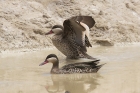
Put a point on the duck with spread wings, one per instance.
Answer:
(73, 37)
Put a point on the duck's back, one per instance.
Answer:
(84, 67)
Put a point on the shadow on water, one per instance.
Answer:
(73, 83)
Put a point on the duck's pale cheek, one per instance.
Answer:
(50, 32)
(52, 59)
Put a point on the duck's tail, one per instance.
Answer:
(99, 66)
(90, 57)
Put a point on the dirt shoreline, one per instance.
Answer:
(53, 47)
(23, 23)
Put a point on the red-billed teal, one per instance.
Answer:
(73, 37)
(82, 67)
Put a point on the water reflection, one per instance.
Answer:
(73, 83)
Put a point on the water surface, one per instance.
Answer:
(20, 73)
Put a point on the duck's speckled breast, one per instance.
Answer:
(64, 46)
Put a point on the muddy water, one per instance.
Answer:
(20, 73)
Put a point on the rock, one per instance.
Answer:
(105, 42)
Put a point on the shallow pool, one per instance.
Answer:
(21, 73)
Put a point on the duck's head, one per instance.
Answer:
(56, 29)
(51, 58)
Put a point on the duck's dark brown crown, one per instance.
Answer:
(57, 26)
(51, 55)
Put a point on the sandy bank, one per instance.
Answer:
(23, 23)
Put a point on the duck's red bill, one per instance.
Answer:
(50, 32)
(43, 63)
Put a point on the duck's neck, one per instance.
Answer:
(55, 68)
(60, 32)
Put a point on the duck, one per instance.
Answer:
(72, 39)
(82, 67)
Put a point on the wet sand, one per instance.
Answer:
(20, 73)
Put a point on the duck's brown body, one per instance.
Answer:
(82, 67)
(65, 47)
(72, 39)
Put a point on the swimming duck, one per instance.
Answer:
(82, 67)
(73, 37)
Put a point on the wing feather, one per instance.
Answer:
(75, 32)
(82, 67)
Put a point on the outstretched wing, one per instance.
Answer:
(88, 20)
(75, 31)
